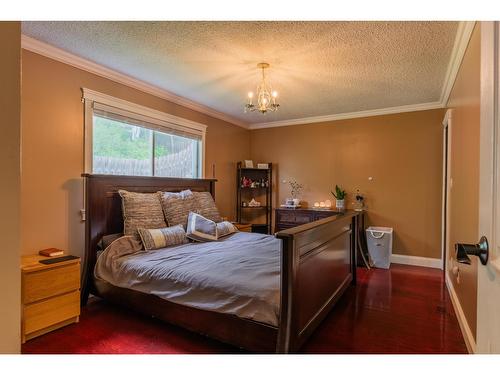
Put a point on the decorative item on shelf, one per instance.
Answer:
(246, 182)
(248, 163)
(323, 205)
(291, 203)
(253, 203)
(243, 204)
(295, 189)
(266, 96)
(339, 195)
(262, 165)
(359, 205)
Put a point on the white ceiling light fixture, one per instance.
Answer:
(266, 97)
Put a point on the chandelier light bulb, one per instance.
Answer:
(275, 94)
(250, 95)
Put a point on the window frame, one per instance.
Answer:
(163, 122)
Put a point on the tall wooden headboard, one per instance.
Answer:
(103, 209)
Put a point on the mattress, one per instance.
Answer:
(238, 275)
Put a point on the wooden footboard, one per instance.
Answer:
(317, 266)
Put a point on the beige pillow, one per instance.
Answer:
(205, 206)
(176, 206)
(153, 239)
(141, 210)
(225, 228)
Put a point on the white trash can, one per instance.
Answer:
(379, 241)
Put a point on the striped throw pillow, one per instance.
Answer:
(160, 238)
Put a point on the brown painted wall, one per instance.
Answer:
(10, 143)
(52, 142)
(464, 170)
(402, 152)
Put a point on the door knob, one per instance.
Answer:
(480, 250)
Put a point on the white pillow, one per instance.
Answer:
(200, 228)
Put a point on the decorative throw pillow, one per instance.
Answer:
(200, 228)
(141, 210)
(225, 228)
(153, 239)
(205, 206)
(176, 206)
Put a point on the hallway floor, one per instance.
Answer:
(405, 309)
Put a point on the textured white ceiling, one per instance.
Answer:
(318, 68)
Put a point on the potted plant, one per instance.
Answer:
(339, 195)
(295, 189)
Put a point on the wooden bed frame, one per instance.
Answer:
(317, 265)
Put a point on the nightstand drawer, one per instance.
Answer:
(50, 282)
(43, 314)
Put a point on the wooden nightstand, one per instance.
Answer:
(243, 227)
(50, 295)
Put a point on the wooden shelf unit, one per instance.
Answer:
(50, 295)
(246, 214)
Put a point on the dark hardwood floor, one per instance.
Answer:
(402, 310)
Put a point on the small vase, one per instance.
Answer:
(340, 204)
(296, 201)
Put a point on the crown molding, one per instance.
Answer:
(462, 38)
(464, 33)
(68, 58)
(349, 115)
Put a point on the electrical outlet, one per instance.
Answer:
(82, 214)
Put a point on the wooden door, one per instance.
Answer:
(488, 295)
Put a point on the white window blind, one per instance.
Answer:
(123, 138)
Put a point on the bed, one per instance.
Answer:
(258, 292)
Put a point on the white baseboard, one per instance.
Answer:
(470, 342)
(417, 261)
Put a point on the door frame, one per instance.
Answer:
(445, 210)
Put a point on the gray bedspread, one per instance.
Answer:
(238, 275)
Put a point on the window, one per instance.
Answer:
(127, 139)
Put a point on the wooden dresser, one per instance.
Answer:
(292, 217)
(50, 295)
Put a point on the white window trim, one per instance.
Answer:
(162, 119)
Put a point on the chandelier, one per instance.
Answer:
(266, 97)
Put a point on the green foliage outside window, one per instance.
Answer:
(120, 140)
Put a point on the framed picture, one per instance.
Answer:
(263, 165)
(248, 164)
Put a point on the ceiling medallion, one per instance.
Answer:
(266, 97)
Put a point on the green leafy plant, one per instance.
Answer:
(339, 193)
